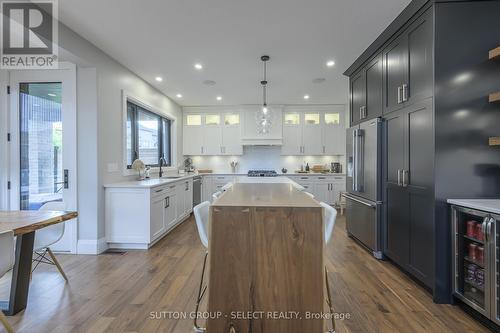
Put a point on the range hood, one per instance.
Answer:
(250, 135)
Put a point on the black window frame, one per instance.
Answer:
(133, 110)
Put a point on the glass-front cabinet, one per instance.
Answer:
(475, 260)
(212, 133)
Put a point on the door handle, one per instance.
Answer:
(167, 202)
(66, 178)
(202, 149)
(360, 112)
(324, 149)
(405, 92)
(483, 227)
(399, 177)
(404, 177)
(354, 159)
(400, 93)
(347, 196)
(488, 228)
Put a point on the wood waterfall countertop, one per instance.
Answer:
(265, 195)
(266, 270)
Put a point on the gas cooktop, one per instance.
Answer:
(262, 173)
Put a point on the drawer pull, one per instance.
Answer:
(158, 191)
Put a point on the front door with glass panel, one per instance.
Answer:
(43, 143)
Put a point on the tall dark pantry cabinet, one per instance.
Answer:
(428, 77)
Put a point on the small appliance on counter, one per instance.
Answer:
(188, 165)
(262, 173)
(336, 167)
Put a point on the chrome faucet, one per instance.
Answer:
(162, 162)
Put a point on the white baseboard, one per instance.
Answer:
(92, 246)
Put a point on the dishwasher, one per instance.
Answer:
(196, 190)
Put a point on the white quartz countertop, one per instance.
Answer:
(487, 205)
(241, 178)
(149, 183)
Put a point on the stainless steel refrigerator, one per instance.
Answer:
(364, 182)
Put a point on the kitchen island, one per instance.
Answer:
(266, 260)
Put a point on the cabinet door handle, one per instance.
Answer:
(365, 114)
(202, 149)
(483, 227)
(400, 93)
(324, 149)
(404, 178)
(360, 112)
(167, 202)
(399, 177)
(405, 92)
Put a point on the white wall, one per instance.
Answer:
(262, 157)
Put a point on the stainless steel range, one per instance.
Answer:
(262, 173)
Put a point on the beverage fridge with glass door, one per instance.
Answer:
(475, 260)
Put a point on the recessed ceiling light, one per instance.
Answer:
(159, 78)
(319, 80)
(179, 95)
(209, 82)
(330, 63)
(219, 98)
(51, 95)
(198, 66)
(306, 96)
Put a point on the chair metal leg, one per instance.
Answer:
(57, 264)
(201, 292)
(5, 323)
(329, 301)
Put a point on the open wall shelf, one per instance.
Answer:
(494, 141)
(495, 53)
(495, 97)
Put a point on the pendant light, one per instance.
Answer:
(264, 115)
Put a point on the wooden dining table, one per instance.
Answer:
(24, 224)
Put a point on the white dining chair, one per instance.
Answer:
(309, 194)
(6, 264)
(227, 186)
(329, 218)
(216, 195)
(46, 237)
(201, 216)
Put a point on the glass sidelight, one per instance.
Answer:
(41, 144)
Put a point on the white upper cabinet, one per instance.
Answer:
(231, 134)
(192, 134)
(292, 133)
(314, 130)
(311, 134)
(334, 131)
(212, 135)
(211, 132)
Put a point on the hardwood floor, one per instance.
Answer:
(117, 292)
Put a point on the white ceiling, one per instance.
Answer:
(165, 38)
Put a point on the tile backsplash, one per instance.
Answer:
(262, 157)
